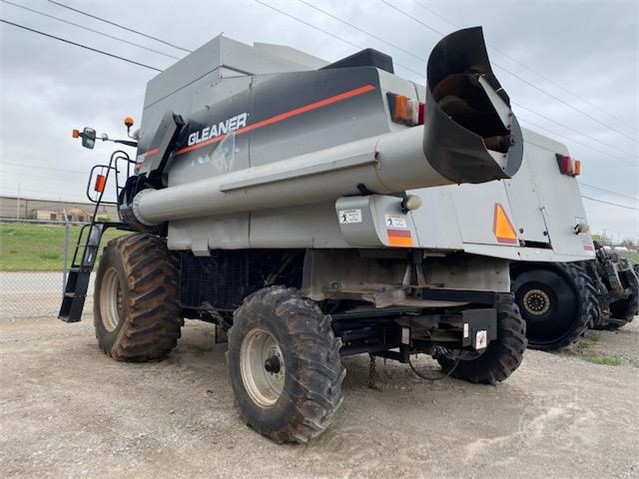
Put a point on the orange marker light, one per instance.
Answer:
(577, 171)
(100, 183)
(401, 109)
(128, 121)
(76, 133)
(502, 227)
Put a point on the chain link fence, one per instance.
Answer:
(34, 259)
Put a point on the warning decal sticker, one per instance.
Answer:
(350, 216)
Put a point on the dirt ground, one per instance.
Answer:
(69, 411)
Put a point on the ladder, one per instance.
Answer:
(88, 245)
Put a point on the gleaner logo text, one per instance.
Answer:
(222, 128)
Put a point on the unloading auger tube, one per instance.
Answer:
(466, 110)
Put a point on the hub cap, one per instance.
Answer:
(111, 300)
(262, 367)
(536, 302)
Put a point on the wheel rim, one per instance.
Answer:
(536, 302)
(550, 306)
(262, 367)
(111, 300)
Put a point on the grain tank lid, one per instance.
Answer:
(223, 54)
(293, 56)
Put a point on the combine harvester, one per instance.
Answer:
(302, 207)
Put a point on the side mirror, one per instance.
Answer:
(88, 138)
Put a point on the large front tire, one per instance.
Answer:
(284, 365)
(502, 356)
(136, 313)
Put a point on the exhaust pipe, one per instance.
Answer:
(470, 136)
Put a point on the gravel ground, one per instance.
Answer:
(69, 411)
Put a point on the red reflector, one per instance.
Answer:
(422, 114)
(100, 182)
(565, 165)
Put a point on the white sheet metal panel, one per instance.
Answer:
(475, 208)
(524, 200)
(436, 220)
(560, 197)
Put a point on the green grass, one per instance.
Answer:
(586, 344)
(631, 256)
(35, 247)
(604, 360)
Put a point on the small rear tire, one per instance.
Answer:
(284, 365)
(502, 356)
(135, 311)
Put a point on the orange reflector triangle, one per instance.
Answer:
(502, 227)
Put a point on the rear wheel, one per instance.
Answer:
(284, 365)
(502, 356)
(135, 311)
(558, 302)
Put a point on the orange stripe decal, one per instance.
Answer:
(283, 116)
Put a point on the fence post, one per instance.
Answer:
(66, 252)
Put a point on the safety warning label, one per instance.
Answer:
(350, 216)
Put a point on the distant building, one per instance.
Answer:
(47, 210)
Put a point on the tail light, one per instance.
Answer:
(405, 110)
(568, 166)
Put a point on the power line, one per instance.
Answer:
(90, 30)
(77, 172)
(121, 26)
(633, 198)
(609, 203)
(549, 80)
(607, 145)
(327, 33)
(424, 59)
(80, 45)
(517, 76)
(608, 154)
(362, 30)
